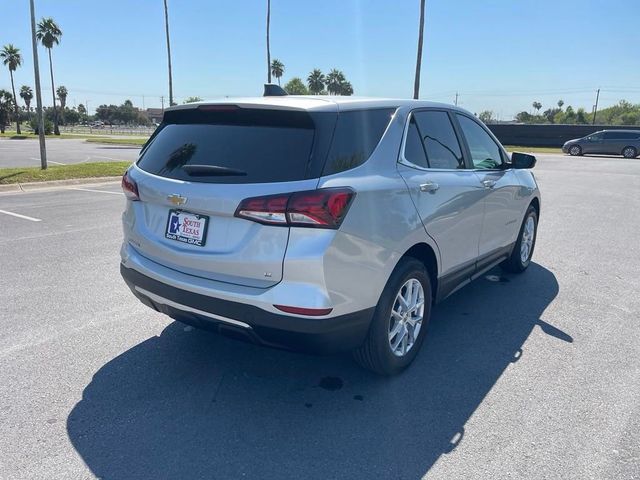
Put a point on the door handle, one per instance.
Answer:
(429, 187)
(489, 183)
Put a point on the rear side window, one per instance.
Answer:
(262, 145)
(621, 135)
(355, 138)
(439, 139)
(413, 148)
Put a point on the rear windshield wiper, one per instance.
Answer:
(212, 170)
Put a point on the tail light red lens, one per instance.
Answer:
(130, 188)
(311, 312)
(322, 208)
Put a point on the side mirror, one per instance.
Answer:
(522, 160)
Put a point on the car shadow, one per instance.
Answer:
(191, 404)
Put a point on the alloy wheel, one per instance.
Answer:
(406, 317)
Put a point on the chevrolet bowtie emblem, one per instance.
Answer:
(177, 199)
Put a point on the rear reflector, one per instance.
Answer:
(311, 312)
(130, 188)
(322, 208)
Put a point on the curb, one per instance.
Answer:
(31, 186)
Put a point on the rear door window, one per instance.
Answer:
(439, 139)
(258, 145)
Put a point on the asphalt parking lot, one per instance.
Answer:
(26, 153)
(521, 376)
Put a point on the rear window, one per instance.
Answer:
(265, 145)
(357, 134)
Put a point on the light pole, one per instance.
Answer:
(166, 26)
(416, 82)
(36, 71)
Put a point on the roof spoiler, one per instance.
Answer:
(273, 90)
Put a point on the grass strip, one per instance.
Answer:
(62, 172)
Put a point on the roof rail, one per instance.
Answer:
(273, 90)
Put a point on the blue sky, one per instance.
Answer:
(500, 55)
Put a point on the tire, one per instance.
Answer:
(376, 353)
(575, 150)
(518, 261)
(629, 152)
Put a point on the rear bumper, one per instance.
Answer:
(248, 322)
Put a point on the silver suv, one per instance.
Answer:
(323, 224)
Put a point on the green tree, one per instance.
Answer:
(346, 88)
(82, 110)
(277, 69)
(537, 106)
(315, 81)
(62, 96)
(6, 105)
(296, 86)
(524, 117)
(335, 78)
(486, 116)
(192, 99)
(581, 117)
(11, 57)
(27, 95)
(560, 104)
(49, 33)
(550, 114)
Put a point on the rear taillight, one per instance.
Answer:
(322, 208)
(129, 187)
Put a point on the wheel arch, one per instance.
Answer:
(535, 203)
(427, 256)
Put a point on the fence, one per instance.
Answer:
(545, 135)
(108, 130)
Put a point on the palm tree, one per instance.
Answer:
(316, 80)
(277, 69)
(268, 50)
(416, 82)
(49, 34)
(537, 106)
(27, 95)
(166, 27)
(334, 80)
(6, 102)
(346, 88)
(11, 57)
(62, 96)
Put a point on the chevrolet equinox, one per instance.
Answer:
(320, 223)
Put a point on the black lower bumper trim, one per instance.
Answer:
(316, 335)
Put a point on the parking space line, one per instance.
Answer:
(96, 191)
(48, 161)
(24, 217)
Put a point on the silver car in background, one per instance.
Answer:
(322, 224)
(606, 142)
